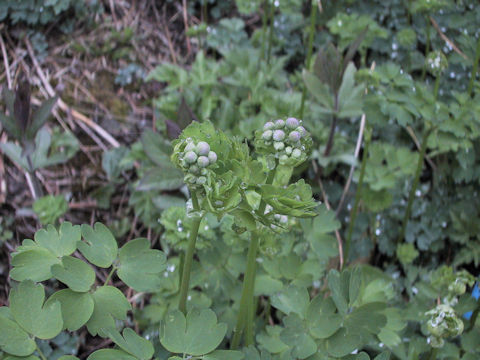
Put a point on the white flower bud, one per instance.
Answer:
(279, 124)
(203, 161)
(283, 219)
(267, 135)
(288, 150)
(278, 135)
(212, 157)
(302, 131)
(201, 180)
(190, 157)
(296, 153)
(269, 125)
(283, 158)
(190, 147)
(203, 148)
(194, 169)
(292, 123)
(278, 145)
(294, 136)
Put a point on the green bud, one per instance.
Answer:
(278, 145)
(267, 135)
(278, 135)
(190, 147)
(194, 169)
(279, 124)
(201, 180)
(269, 125)
(288, 150)
(212, 157)
(296, 153)
(190, 157)
(294, 136)
(203, 148)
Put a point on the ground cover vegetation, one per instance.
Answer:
(241, 179)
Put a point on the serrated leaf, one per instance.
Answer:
(110, 354)
(30, 312)
(62, 242)
(74, 273)
(13, 339)
(292, 299)
(77, 308)
(110, 304)
(99, 247)
(197, 334)
(140, 266)
(131, 343)
(32, 263)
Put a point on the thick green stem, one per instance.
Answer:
(473, 75)
(187, 265)
(358, 193)
(416, 180)
(427, 46)
(246, 310)
(313, 19)
(436, 87)
(264, 31)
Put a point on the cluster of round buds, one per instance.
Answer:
(285, 136)
(443, 323)
(436, 62)
(195, 160)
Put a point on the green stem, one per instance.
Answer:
(427, 47)
(270, 33)
(264, 31)
(110, 274)
(40, 353)
(473, 319)
(358, 193)
(416, 180)
(250, 285)
(473, 75)
(187, 265)
(436, 87)
(433, 354)
(313, 19)
(246, 312)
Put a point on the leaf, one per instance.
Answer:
(296, 336)
(140, 266)
(342, 343)
(110, 354)
(40, 116)
(110, 304)
(31, 357)
(8, 122)
(62, 242)
(322, 319)
(319, 90)
(163, 179)
(68, 357)
(224, 355)
(352, 49)
(185, 115)
(292, 299)
(157, 149)
(13, 339)
(77, 308)
(29, 311)
(21, 105)
(50, 207)
(266, 285)
(131, 343)
(32, 263)
(197, 334)
(271, 341)
(99, 247)
(74, 273)
(339, 290)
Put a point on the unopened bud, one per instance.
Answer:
(278, 145)
(294, 136)
(267, 135)
(278, 135)
(269, 125)
(288, 150)
(190, 157)
(296, 153)
(292, 123)
(212, 157)
(203, 148)
(203, 161)
(279, 124)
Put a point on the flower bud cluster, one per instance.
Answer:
(443, 323)
(195, 160)
(286, 138)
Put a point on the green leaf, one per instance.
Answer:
(271, 341)
(197, 334)
(224, 355)
(50, 208)
(77, 308)
(292, 299)
(339, 288)
(32, 262)
(163, 179)
(110, 354)
(40, 116)
(13, 339)
(74, 273)
(140, 266)
(342, 343)
(99, 247)
(131, 343)
(62, 242)
(27, 305)
(266, 285)
(9, 123)
(296, 336)
(322, 319)
(31, 357)
(110, 304)
(319, 90)
(68, 357)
